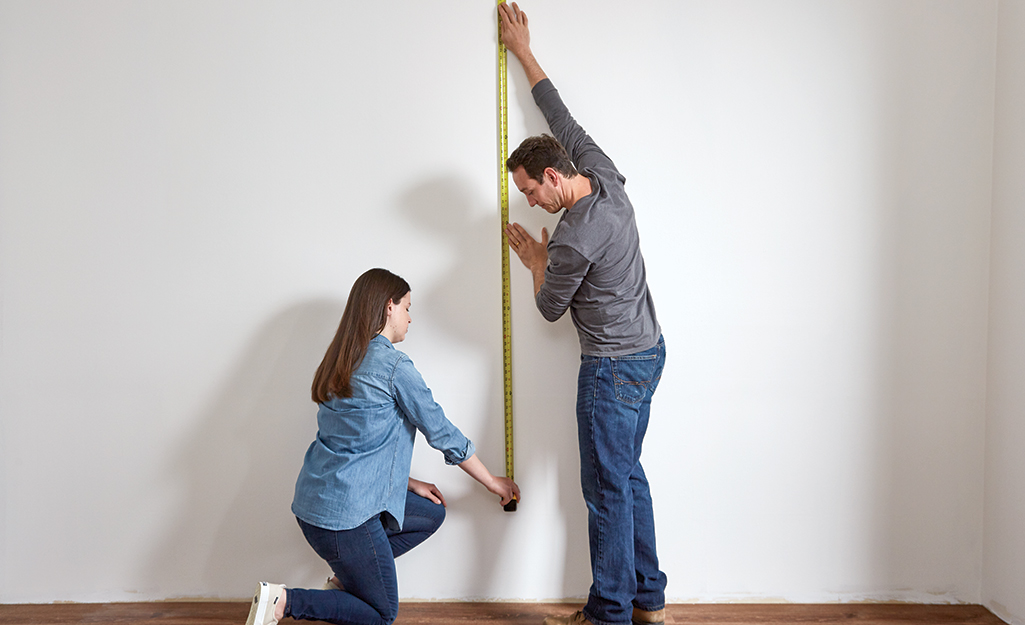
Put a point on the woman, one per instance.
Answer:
(354, 499)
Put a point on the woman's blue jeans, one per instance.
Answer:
(613, 402)
(363, 560)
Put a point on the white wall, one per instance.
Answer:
(1004, 563)
(188, 189)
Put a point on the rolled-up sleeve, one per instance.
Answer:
(566, 270)
(417, 403)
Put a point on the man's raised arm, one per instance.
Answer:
(516, 37)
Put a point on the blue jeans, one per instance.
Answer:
(613, 404)
(363, 560)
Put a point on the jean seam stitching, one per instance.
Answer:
(377, 559)
(590, 425)
(602, 488)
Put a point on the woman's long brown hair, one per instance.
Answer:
(365, 314)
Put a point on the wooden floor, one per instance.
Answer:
(509, 613)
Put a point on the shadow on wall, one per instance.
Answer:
(932, 272)
(234, 474)
(443, 210)
(232, 526)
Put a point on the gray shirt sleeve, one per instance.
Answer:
(565, 271)
(566, 268)
(583, 151)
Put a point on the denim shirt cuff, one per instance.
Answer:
(452, 458)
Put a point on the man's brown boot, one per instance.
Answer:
(643, 617)
(576, 619)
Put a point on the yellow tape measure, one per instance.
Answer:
(503, 177)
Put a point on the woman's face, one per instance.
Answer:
(398, 320)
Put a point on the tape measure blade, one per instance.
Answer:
(503, 151)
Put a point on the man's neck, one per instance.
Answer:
(579, 187)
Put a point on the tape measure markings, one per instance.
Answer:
(503, 176)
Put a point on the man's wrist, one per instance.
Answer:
(539, 280)
(522, 54)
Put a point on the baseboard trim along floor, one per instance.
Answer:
(439, 613)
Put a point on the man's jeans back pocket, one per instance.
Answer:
(633, 376)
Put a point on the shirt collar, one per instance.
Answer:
(381, 339)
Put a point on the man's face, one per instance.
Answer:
(543, 194)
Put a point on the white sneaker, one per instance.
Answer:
(264, 602)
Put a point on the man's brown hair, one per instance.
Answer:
(538, 153)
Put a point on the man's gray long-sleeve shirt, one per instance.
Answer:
(595, 267)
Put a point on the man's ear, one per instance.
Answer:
(551, 175)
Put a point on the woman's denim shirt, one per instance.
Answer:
(359, 463)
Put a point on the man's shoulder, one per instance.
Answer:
(581, 232)
(605, 172)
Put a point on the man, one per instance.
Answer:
(592, 266)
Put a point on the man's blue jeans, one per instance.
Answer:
(613, 403)
(363, 560)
